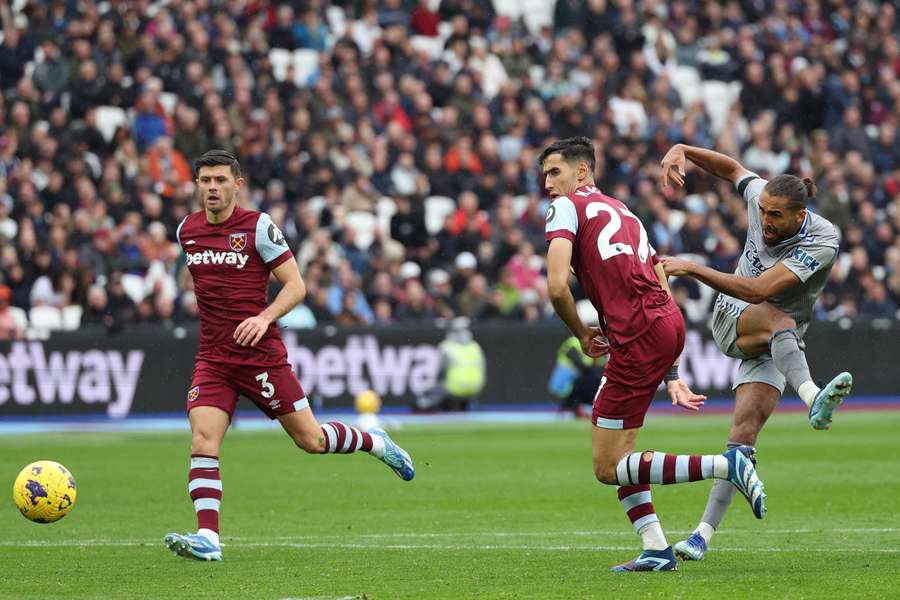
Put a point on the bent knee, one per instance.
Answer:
(311, 444)
(605, 472)
(204, 443)
(782, 322)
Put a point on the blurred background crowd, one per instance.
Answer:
(394, 143)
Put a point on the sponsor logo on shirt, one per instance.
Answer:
(757, 268)
(237, 241)
(214, 257)
(801, 256)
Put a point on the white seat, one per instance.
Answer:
(519, 204)
(363, 223)
(316, 204)
(436, 210)
(306, 63)
(433, 46)
(280, 59)
(384, 210)
(110, 118)
(45, 317)
(687, 81)
(717, 97)
(134, 287)
(19, 316)
(337, 20)
(71, 317)
(168, 101)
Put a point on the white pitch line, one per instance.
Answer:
(454, 547)
(506, 534)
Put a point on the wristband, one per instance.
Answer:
(672, 375)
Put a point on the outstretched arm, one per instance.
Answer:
(251, 330)
(722, 166)
(749, 289)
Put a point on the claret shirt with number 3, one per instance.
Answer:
(230, 263)
(613, 261)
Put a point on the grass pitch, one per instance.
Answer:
(495, 511)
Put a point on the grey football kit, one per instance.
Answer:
(810, 254)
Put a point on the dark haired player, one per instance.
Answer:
(606, 246)
(230, 252)
(764, 308)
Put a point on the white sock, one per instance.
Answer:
(807, 392)
(706, 531)
(377, 446)
(720, 466)
(653, 537)
(210, 535)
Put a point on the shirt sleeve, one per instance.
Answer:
(804, 261)
(750, 187)
(270, 242)
(562, 219)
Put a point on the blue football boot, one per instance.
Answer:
(742, 474)
(192, 545)
(395, 457)
(693, 548)
(827, 400)
(651, 560)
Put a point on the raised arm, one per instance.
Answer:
(724, 167)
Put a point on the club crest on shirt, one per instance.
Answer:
(237, 241)
(193, 393)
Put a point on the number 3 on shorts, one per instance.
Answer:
(268, 390)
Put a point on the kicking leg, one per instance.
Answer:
(754, 404)
(763, 328)
(208, 427)
(337, 437)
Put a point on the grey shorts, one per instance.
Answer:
(753, 369)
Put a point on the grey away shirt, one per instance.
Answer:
(810, 255)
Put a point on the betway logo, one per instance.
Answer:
(703, 366)
(91, 377)
(361, 364)
(212, 257)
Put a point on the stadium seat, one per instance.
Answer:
(19, 316)
(110, 118)
(436, 210)
(364, 224)
(48, 318)
(280, 59)
(316, 204)
(168, 101)
(687, 81)
(306, 64)
(433, 46)
(337, 21)
(384, 210)
(717, 97)
(519, 204)
(134, 287)
(71, 317)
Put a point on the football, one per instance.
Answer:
(44, 491)
(367, 402)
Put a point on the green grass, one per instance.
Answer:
(494, 512)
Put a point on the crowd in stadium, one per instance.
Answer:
(394, 144)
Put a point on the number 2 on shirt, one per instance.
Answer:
(607, 248)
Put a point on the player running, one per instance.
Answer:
(230, 252)
(606, 246)
(764, 308)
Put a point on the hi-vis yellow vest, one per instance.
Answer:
(465, 370)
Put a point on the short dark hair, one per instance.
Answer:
(573, 148)
(797, 191)
(215, 158)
